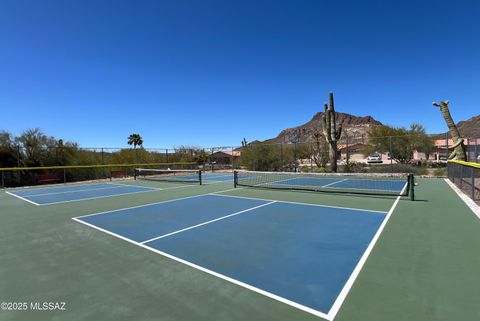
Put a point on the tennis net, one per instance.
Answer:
(353, 183)
(169, 175)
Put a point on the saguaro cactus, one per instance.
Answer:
(244, 142)
(458, 145)
(331, 132)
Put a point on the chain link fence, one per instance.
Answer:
(466, 176)
(356, 153)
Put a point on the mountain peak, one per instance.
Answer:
(470, 128)
(352, 125)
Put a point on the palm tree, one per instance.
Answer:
(135, 140)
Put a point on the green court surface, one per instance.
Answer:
(424, 266)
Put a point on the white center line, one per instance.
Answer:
(336, 182)
(207, 222)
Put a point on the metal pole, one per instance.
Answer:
(446, 146)
(64, 176)
(295, 156)
(461, 176)
(476, 149)
(18, 155)
(473, 183)
(390, 152)
(281, 156)
(347, 153)
(412, 187)
(3, 179)
(311, 158)
(103, 160)
(468, 150)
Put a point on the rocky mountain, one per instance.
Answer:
(353, 126)
(470, 128)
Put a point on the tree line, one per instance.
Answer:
(399, 143)
(34, 148)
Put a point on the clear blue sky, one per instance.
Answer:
(209, 73)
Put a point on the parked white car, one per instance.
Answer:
(374, 158)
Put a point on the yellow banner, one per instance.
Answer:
(90, 166)
(469, 164)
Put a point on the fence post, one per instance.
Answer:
(281, 156)
(446, 146)
(103, 160)
(473, 183)
(3, 179)
(476, 149)
(311, 158)
(211, 163)
(18, 155)
(295, 156)
(461, 176)
(390, 152)
(64, 176)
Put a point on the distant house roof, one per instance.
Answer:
(441, 142)
(344, 146)
(234, 153)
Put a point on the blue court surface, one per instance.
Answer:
(300, 254)
(69, 193)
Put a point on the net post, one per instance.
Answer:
(134, 174)
(235, 179)
(411, 184)
(200, 176)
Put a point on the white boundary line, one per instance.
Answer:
(91, 198)
(233, 196)
(297, 203)
(348, 285)
(78, 190)
(155, 203)
(216, 274)
(150, 189)
(465, 198)
(120, 184)
(207, 222)
(58, 185)
(23, 199)
(340, 298)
